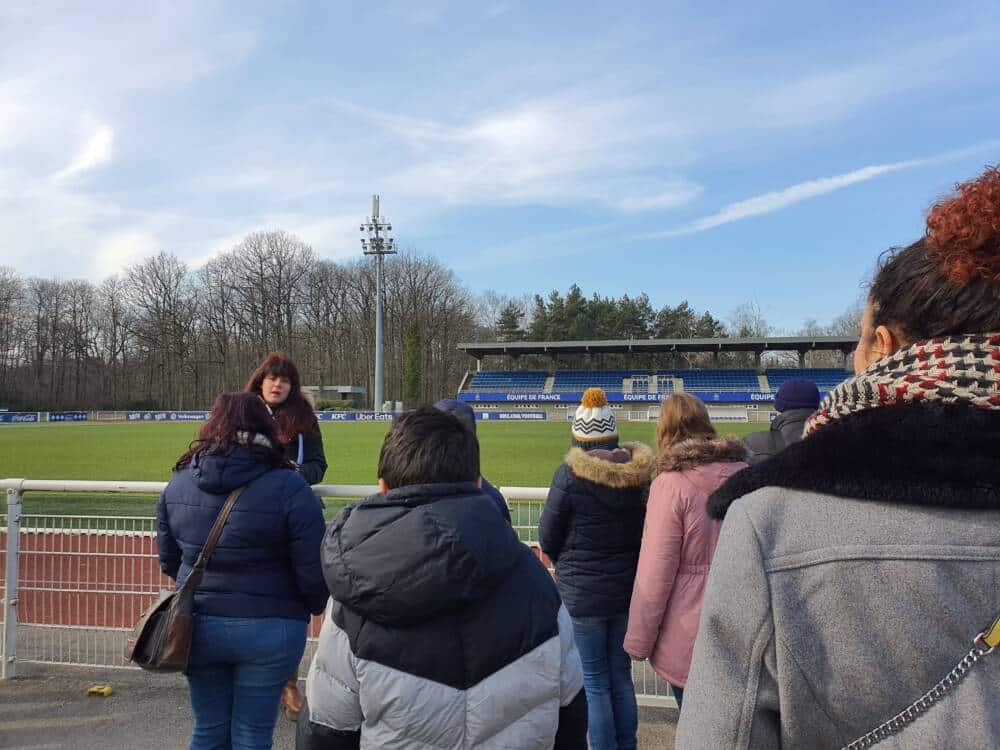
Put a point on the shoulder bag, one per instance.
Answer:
(161, 640)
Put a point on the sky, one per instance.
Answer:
(720, 153)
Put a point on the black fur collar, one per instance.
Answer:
(918, 454)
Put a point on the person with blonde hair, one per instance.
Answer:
(679, 538)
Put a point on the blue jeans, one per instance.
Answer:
(613, 718)
(237, 669)
(678, 695)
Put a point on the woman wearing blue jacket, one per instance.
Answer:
(253, 605)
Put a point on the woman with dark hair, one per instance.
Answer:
(855, 581)
(276, 380)
(262, 583)
(679, 538)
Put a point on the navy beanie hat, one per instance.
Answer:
(797, 394)
(460, 410)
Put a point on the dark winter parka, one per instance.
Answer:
(786, 429)
(444, 631)
(306, 450)
(591, 526)
(267, 561)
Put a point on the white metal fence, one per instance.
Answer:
(74, 585)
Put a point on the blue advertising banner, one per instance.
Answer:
(512, 416)
(10, 417)
(574, 397)
(67, 416)
(352, 416)
(166, 416)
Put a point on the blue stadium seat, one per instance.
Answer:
(508, 381)
(713, 380)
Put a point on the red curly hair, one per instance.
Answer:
(963, 230)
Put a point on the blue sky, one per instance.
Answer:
(767, 152)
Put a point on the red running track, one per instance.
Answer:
(98, 579)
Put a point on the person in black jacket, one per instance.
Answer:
(795, 402)
(467, 416)
(276, 380)
(591, 528)
(264, 580)
(444, 630)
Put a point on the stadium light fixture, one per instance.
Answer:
(378, 243)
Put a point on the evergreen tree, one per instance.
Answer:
(412, 364)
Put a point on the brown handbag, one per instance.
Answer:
(161, 640)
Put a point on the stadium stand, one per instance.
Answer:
(528, 381)
(714, 380)
(579, 380)
(825, 379)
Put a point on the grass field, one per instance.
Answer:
(513, 454)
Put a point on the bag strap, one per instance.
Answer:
(216, 532)
(983, 645)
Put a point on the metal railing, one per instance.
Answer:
(74, 585)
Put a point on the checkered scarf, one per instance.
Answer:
(961, 369)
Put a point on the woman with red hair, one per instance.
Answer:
(855, 579)
(253, 605)
(276, 380)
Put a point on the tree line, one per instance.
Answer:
(162, 335)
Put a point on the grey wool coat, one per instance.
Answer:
(853, 572)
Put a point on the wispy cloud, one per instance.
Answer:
(95, 152)
(777, 200)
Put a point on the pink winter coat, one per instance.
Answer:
(677, 547)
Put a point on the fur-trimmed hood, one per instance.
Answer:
(635, 472)
(688, 454)
(932, 454)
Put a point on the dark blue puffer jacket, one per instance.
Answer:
(591, 527)
(267, 562)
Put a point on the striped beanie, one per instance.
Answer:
(594, 422)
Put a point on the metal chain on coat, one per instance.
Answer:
(920, 706)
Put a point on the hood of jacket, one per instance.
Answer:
(931, 454)
(688, 454)
(601, 468)
(219, 473)
(417, 552)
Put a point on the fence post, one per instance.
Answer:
(8, 669)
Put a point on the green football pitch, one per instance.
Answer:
(513, 454)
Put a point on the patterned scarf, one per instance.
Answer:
(952, 370)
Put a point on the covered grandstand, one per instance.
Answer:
(732, 393)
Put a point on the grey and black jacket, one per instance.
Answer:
(444, 631)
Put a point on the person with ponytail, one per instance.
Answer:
(853, 595)
(276, 380)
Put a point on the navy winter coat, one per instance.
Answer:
(591, 527)
(267, 561)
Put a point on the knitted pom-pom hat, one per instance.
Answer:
(594, 423)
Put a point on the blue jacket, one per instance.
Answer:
(267, 562)
(591, 527)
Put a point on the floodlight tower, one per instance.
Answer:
(377, 243)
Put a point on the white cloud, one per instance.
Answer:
(95, 152)
(120, 249)
(776, 200)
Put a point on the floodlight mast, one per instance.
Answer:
(378, 243)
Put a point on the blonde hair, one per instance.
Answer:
(682, 417)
